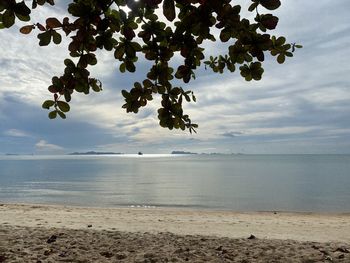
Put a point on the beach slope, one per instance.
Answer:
(50, 233)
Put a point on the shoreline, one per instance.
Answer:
(57, 233)
(180, 208)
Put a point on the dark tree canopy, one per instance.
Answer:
(137, 31)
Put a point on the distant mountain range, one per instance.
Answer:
(181, 152)
(92, 153)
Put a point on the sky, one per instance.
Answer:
(301, 106)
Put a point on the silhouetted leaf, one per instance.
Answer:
(21, 9)
(270, 4)
(269, 21)
(63, 106)
(95, 86)
(8, 18)
(225, 35)
(53, 22)
(48, 103)
(61, 114)
(122, 67)
(41, 27)
(56, 37)
(67, 96)
(45, 38)
(280, 41)
(281, 58)
(169, 9)
(53, 114)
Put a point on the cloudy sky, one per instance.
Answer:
(302, 106)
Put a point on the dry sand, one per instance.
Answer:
(43, 233)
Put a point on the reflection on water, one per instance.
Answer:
(235, 182)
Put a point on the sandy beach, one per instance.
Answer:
(53, 233)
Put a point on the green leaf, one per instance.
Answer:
(67, 96)
(147, 83)
(48, 103)
(252, 7)
(53, 114)
(274, 52)
(79, 87)
(94, 85)
(281, 58)
(225, 35)
(45, 38)
(280, 41)
(125, 94)
(138, 85)
(69, 63)
(40, 2)
(169, 9)
(130, 66)
(119, 52)
(194, 97)
(122, 67)
(23, 18)
(136, 46)
(22, 9)
(51, 2)
(62, 115)
(63, 106)
(56, 37)
(270, 4)
(8, 18)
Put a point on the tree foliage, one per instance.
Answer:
(131, 29)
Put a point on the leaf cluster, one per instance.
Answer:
(131, 29)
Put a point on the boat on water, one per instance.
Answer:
(140, 153)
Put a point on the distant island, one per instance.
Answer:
(181, 152)
(17, 154)
(93, 153)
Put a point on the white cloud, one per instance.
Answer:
(16, 133)
(44, 146)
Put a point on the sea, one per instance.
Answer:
(295, 183)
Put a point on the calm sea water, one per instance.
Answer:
(319, 183)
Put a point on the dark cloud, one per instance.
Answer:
(231, 134)
(68, 134)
